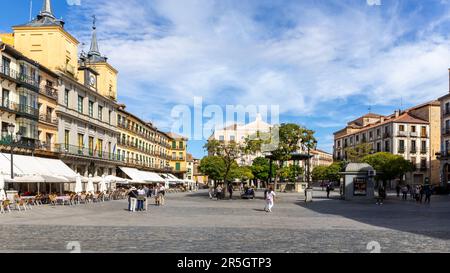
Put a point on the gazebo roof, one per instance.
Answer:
(294, 156)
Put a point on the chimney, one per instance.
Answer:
(397, 113)
(449, 80)
(382, 119)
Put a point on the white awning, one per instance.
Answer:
(29, 166)
(138, 176)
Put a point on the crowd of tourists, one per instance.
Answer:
(419, 193)
(138, 197)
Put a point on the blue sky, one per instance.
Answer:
(323, 62)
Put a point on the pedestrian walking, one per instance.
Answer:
(422, 193)
(404, 193)
(270, 196)
(398, 188)
(162, 190)
(417, 193)
(140, 199)
(230, 191)
(219, 192)
(381, 195)
(428, 192)
(211, 192)
(328, 190)
(132, 198)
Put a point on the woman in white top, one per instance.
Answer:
(270, 196)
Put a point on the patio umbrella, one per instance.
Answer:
(2, 187)
(103, 184)
(90, 185)
(78, 185)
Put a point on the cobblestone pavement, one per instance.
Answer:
(191, 222)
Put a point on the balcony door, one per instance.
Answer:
(5, 98)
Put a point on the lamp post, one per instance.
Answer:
(308, 172)
(14, 141)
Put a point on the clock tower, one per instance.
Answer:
(105, 78)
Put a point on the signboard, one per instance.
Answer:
(359, 186)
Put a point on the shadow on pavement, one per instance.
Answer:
(407, 216)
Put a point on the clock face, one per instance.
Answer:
(92, 80)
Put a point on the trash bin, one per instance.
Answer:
(308, 195)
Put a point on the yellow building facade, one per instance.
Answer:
(141, 145)
(178, 154)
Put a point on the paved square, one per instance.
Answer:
(191, 222)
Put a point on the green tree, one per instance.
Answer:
(243, 173)
(290, 136)
(332, 171)
(357, 154)
(319, 173)
(228, 152)
(261, 168)
(388, 166)
(213, 167)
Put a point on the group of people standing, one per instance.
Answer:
(137, 197)
(417, 192)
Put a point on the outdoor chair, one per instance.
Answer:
(30, 203)
(38, 200)
(73, 199)
(83, 198)
(20, 203)
(52, 200)
(5, 205)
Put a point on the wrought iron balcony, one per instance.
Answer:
(66, 149)
(50, 92)
(48, 119)
(18, 77)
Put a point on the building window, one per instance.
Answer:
(378, 147)
(66, 98)
(100, 147)
(387, 147)
(80, 104)
(109, 116)
(413, 146)
(174, 145)
(80, 142)
(91, 146)
(413, 129)
(447, 108)
(100, 113)
(423, 131)
(401, 146)
(66, 139)
(401, 128)
(181, 145)
(180, 155)
(177, 166)
(221, 138)
(91, 109)
(423, 149)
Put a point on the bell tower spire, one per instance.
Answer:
(47, 9)
(94, 53)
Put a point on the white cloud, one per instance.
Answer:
(169, 51)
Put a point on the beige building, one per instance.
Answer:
(413, 133)
(141, 145)
(444, 154)
(19, 89)
(47, 104)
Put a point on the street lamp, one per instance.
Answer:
(309, 146)
(14, 141)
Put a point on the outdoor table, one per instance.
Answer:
(62, 199)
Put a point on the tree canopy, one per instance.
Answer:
(388, 166)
